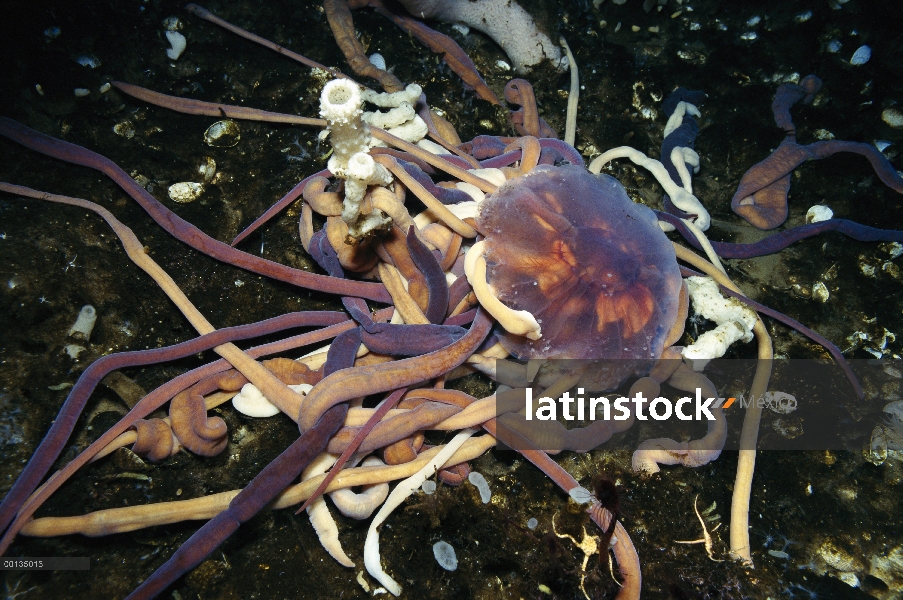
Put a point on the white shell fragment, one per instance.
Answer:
(185, 191)
(861, 56)
(893, 117)
(207, 169)
(581, 495)
(222, 134)
(178, 43)
(834, 46)
(378, 61)
(820, 292)
(73, 350)
(481, 484)
(81, 92)
(780, 402)
(532, 523)
(445, 556)
(87, 60)
(819, 213)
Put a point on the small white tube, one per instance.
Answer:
(84, 324)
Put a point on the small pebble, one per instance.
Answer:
(428, 486)
(532, 523)
(445, 556)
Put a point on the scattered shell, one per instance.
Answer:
(888, 566)
(834, 46)
(861, 56)
(477, 480)
(124, 128)
(893, 117)
(51, 33)
(800, 291)
(503, 65)
(803, 16)
(895, 249)
(581, 495)
(753, 21)
(222, 134)
(378, 61)
(127, 460)
(883, 145)
(73, 350)
(532, 523)
(172, 24)
(87, 60)
(140, 179)
(207, 169)
(823, 134)
(185, 191)
(820, 292)
(81, 92)
(838, 555)
(178, 43)
(781, 403)
(748, 36)
(789, 428)
(105, 88)
(428, 486)
(818, 213)
(445, 556)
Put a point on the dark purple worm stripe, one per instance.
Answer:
(55, 439)
(181, 229)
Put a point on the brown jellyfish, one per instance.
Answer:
(593, 267)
